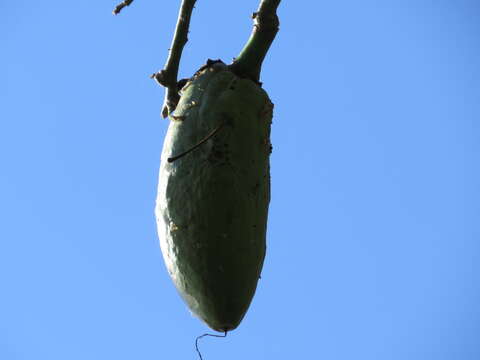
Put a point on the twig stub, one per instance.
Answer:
(120, 6)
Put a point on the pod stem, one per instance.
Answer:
(168, 76)
(265, 27)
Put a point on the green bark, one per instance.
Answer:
(266, 23)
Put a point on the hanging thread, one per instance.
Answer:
(201, 336)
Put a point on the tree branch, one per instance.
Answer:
(265, 27)
(168, 76)
(120, 6)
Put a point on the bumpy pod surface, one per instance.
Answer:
(212, 203)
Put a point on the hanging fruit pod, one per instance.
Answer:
(213, 194)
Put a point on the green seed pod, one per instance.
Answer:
(213, 194)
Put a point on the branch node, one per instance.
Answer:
(161, 78)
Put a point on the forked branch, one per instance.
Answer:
(248, 64)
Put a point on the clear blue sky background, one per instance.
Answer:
(373, 239)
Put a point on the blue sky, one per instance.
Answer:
(373, 237)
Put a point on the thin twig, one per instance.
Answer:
(168, 76)
(265, 27)
(205, 139)
(120, 6)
